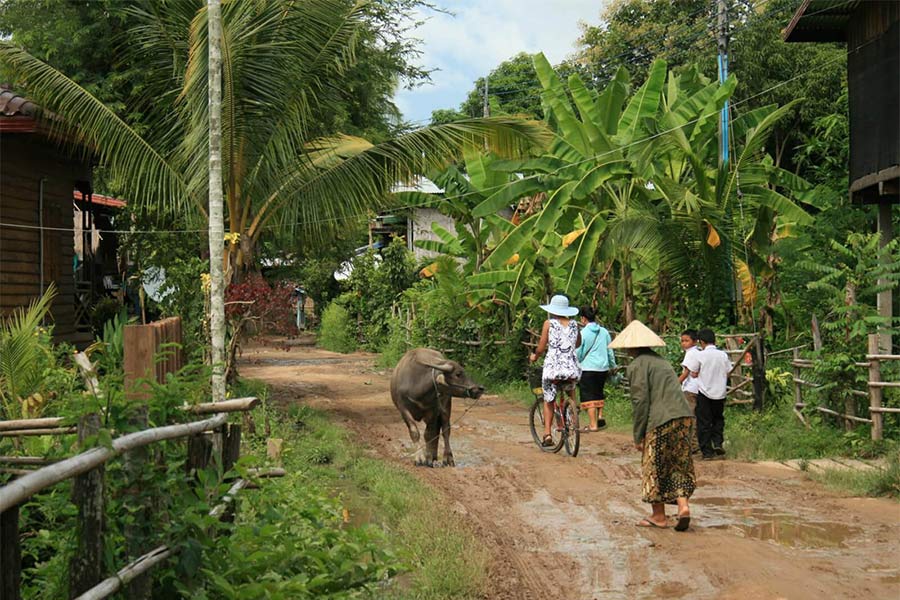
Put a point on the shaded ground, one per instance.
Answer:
(560, 527)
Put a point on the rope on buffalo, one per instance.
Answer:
(452, 424)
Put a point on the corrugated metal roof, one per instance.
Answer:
(14, 105)
(419, 184)
(820, 21)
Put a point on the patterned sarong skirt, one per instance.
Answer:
(666, 466)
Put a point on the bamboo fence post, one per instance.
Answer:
(139, 528)
(199, 450)
(85, 566)
(759, 373)
(231, 447)
(875, 392)
(10, 554)
(798, 388)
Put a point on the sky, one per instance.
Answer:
(481, 35)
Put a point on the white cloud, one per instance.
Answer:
(482, 35)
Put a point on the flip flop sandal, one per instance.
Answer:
(683, 523)
(648, 523)
(547, 441)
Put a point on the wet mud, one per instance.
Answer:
(562, 527)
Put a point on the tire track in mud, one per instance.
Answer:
(559, 527)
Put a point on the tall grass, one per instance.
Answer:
(443, 560)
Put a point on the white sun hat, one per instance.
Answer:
(559, 306)
(636, 335)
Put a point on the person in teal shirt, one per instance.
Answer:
(596, 361)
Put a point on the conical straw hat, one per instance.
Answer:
(636, 335)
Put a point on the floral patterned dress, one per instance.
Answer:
(561, 362)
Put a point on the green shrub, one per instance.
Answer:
(291, 542)
(335, 334)
(104, 310)
(395, 346)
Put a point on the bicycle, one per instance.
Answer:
(565, 431)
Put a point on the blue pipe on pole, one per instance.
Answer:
(723, 121)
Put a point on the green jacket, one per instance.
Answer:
(656, 396)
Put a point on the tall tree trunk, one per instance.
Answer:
(849, 400)
(627, 293)
(216, 201)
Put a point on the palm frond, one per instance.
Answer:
(346, 188)
(22, 355)
(77, 118)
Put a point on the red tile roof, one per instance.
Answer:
(101, 200)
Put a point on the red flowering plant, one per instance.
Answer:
(270, 307)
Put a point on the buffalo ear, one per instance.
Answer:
(435, 360)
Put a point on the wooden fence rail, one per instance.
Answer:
(87, 470)
(875, 386)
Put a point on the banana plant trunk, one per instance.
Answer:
(627, 293)
(216, 204)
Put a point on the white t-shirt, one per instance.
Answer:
(690, 383)
(712, 366)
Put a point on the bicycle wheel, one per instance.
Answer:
(572, 430)
(536, 423)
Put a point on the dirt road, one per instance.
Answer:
(560, 527)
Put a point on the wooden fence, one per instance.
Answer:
(874, 392)
(89, 492)
(151, 352)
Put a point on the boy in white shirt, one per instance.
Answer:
(689, 383)
(711, 367)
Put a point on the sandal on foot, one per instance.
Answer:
(601, 424)
(547, 441)
(646, 522)
(684, 521)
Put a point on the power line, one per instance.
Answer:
(536, 87)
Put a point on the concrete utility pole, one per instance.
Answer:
(722, 27)
(487, 105)
(722, 43)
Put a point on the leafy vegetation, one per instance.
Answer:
(336, 330)
(440, 558)
(28, 373)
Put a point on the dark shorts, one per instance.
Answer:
(591, 385)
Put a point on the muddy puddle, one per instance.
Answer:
(299, 362)
(753, 521)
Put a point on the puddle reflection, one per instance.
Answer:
(786, 529)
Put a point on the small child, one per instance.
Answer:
(711, 367)
(689, 384)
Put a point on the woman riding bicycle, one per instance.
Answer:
(560, 338)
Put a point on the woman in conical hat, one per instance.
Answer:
(662, 427)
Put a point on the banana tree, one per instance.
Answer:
(588, 177)
(709, 202)
(462, 191)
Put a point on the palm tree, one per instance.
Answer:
(282, 65)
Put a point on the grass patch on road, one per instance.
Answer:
(439, 559)
(877, 482)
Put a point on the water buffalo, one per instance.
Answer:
(421, 387)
